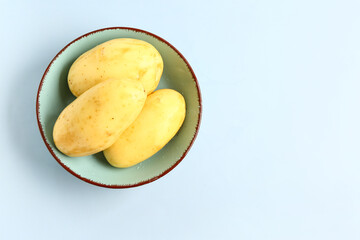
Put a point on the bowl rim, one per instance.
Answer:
(116, 186)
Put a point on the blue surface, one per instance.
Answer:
(277, 156)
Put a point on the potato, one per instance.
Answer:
(117, 58)
(160, 119)
(95, 120)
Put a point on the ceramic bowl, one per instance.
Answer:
(54, 95)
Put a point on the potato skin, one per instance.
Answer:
(160, 119)
(117, 58)
(95, 120)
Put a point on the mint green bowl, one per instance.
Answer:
(54, 95)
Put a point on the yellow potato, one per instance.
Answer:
(117, 58)
(95, 120)
(160, 119)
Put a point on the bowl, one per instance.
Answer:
(54, 95)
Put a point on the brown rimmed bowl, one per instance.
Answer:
(54, 95)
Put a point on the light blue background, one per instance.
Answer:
(277, 156)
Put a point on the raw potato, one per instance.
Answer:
(160, 119)
(95, 120)
(117, 58)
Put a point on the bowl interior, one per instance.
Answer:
(54, 96)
